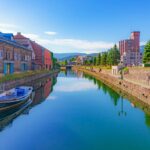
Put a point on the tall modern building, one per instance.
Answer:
(130, 50)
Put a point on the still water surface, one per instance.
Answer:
(77, 113)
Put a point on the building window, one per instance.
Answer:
(1, 54)
(15, 56)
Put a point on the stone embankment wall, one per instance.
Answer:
(139, 75)
(134, 90)
(11, 84)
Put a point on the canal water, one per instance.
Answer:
(74, 111)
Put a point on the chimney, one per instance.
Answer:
(18, 33)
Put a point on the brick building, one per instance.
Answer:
(39, 54)
(14, 57)
(41, 57)
(47, 59)
(130, 50)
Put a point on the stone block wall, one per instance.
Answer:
(135, 90)
(140, 75)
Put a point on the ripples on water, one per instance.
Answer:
(76, 113)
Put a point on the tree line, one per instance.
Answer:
(110, 57)
(146, 55)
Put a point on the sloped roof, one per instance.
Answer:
(36, 46)
(8, 36)
(19, 36)
(13, 43)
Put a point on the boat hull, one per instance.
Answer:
(6, 105)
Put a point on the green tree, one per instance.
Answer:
(104, 59)
(66, 62)
(113, 56)
(116, 55)
(146, 55)
(109, 58)
(98, 59)
(94, 61)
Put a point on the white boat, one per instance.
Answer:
(15, 97)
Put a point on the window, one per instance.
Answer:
(15, 56)
(1, 54)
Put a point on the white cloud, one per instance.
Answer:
(65, 44)
(142, 43)
(51, 97)
(51, 33)
(31, 36)
(8, 28)
(70, 85)
(4, 25)
(77, 44)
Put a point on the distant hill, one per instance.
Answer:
(61, 56)
(67, 56)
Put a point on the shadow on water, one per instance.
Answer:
(41, 90)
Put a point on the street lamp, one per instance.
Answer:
(121, 70)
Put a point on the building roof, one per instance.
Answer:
(7, 36)
(13, 43)
(36, 47)
(19, 36)
(38, 52)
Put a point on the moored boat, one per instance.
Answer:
(15, 97)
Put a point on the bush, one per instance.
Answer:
(126, 70)
(16, 76)
(146, 65)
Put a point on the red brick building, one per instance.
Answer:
(25, 42)
(47, 59)
(38, 61)
(130, 50)
(41, 57)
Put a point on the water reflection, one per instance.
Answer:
(74, 86)
(116, 97)
(86, 119)
(7, 117)
(122, 111)
(41, 90)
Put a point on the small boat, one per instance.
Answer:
(15, 97)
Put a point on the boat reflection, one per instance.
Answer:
(41, 90)
(7, 117)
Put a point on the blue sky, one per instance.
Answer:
(76, 25)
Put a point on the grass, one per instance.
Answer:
(102, 67)
(16, 76)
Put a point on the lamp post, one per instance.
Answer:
(121, 70)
